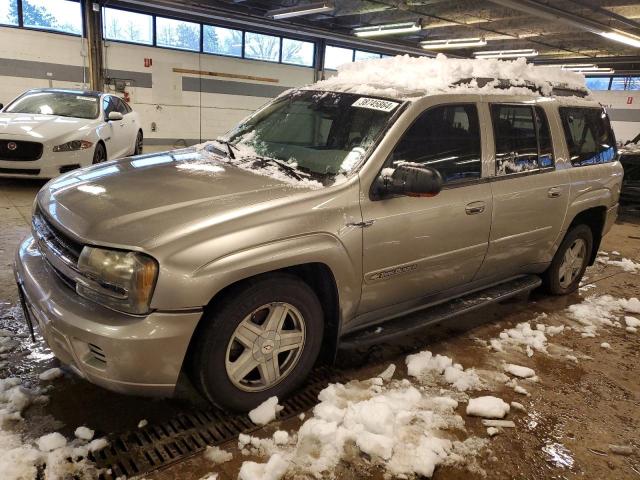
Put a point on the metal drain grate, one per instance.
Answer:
(156, 446)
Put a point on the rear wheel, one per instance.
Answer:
(99, 154)
(137, 150)
(570, 261)
(261, 342)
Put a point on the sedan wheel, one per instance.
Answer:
(137, 150)
(100, 154)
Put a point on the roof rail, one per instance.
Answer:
(557, 90)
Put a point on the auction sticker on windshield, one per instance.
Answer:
(375, 104)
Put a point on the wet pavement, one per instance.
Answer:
(573, 413)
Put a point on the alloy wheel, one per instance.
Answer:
(265, 347)
(572, 262)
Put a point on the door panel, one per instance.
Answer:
(419, 246)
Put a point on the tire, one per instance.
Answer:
(99, 154)
(137, 149)
(564, 274)
(220, 359)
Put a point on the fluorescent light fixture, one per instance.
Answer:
(527, 52)
(619, 37)
(453, 43)
(586, 68)
(299, 10)
(388, 29)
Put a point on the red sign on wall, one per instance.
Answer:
(629, 100)
(148, 62)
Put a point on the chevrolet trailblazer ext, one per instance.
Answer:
(236, 266)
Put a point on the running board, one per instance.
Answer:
(415, 321)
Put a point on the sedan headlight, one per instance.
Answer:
(117, 279)
(73, 146)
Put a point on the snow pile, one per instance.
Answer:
(399, 428)
(519, 371)
(522, 335)
(50, 374)
(217, 455)
(421, 76)
(487, 407)
(625, 264)
(604, 310)
(265, 412)
(424, 364)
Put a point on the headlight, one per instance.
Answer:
(117, 279)
(73, 145)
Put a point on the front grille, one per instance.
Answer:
(20, 171)
(56, 240)
(97, 353)
(19, 150)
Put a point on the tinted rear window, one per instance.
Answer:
(589, 135)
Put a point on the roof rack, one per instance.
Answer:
(557, 90)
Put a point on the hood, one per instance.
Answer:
(39, 127)
(148, 200)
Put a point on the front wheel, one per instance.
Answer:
(137, 149)
(99, 154)
(570, 261)
(262, 341)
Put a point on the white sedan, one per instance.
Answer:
(46, 132)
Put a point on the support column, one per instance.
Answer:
(93, 33)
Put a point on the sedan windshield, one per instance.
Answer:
(63, 104)
(319, 133)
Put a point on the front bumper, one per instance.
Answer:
(47, 166)
(120, 352)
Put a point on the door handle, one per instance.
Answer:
(554, 192)
(474, 208)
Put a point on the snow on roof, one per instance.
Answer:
(406, 77)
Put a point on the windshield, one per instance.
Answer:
(320, 133)
(64, 104)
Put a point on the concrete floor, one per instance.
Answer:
(574, 412)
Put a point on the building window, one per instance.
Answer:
(57, 15)
(222, 41)
(8, 12)
(598, 83)
(362, 55)
(261, 47)
(445, 138)
(297, 52)
(127, 26)
(177, 34)
(625, 83)
(336, 56)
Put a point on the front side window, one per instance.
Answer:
(319, 133)
(589, 136)
(177, 34)
(8, 12)
(127, 26)
(445, 138)
(57, 15)
(222, 41)
(516, 143)
(297, 52)
(63, 104)
(336, 56)
(261, 47)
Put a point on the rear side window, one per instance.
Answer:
(446, 138)
(589, 135)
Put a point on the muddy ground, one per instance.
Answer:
(573, 413)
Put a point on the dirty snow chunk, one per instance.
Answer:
(265, 412)
(84, 433)
(519, 370)
(210, 476)
(217, 455)
(51, 441)
(274, 469)
(97, 444)
(626, 264)
(143, 423)
(498, 423)
(631, 321)
(518, 406)
(375, 445)
(460, 379)
(520, 390)
(423, 363)
(631, 329)
(621, 449)
(605, 345)
(522, 335)
(280, 437)
(50, 374)
(632, 305)
(492, 431)
(301, 416)
(388, 372)
(487, 407)
(573, 358)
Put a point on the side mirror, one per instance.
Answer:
(115, 116)
(410, 179)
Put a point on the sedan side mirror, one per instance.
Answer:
(115, 116)
(410, 179)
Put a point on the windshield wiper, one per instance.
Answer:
(230, 147)
(288, 168)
